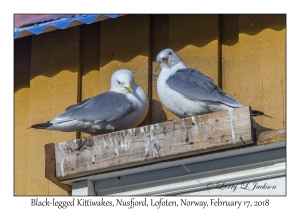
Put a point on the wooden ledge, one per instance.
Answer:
(272, 136)
(152, 144)
(197, 135)
(50, 170)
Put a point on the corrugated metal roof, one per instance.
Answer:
(63, 23)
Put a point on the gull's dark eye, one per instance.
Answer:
(170, 53)
(159, 61)
(119, 82)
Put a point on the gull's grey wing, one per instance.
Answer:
(107, 106)
(75, 105)
(194, 85)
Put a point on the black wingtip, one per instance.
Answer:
(259, 113)
(42, 125)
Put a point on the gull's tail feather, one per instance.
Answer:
(258, 113)
(42, 125)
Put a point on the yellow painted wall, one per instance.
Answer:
(21, 109)
(124, 43)
(53, 87)
(196, 43)
(254, 64)
(89, 85)
(244, 54)
(195, 39)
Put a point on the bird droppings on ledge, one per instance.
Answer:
(186, 131)
(93, 159)
(232, 124)
(152, 143)
(104, 142)
(142, 129)
(116, 151)
(129, 131)
(195, 124)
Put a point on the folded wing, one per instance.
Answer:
(107, 106)
(194, 85)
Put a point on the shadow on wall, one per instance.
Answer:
(199, 30)
(124, 38)
(253, 24)
(233, 25)
(22, 52)
(259, 127)
(159, 115)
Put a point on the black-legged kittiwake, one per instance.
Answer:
(187, 92)
(124, 106)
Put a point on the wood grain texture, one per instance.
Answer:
(272, 136)
(153, 143)
(50, 169)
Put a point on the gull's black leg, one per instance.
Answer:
(185, 115)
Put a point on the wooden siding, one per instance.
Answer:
(244, 54)
(254, 64)
(21, 112)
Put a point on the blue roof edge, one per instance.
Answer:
(60, 24)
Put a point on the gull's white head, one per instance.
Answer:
(167, 58)
(122, 81)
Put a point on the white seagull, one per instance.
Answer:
(124, 106)
(187, 92)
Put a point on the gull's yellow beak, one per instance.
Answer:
(165, 59)
(129, 89)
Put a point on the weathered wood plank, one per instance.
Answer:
(50, 171)
(272, 136)
(154, 143)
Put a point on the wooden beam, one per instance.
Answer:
(153, 143)
(272, 136)
(50, 171)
